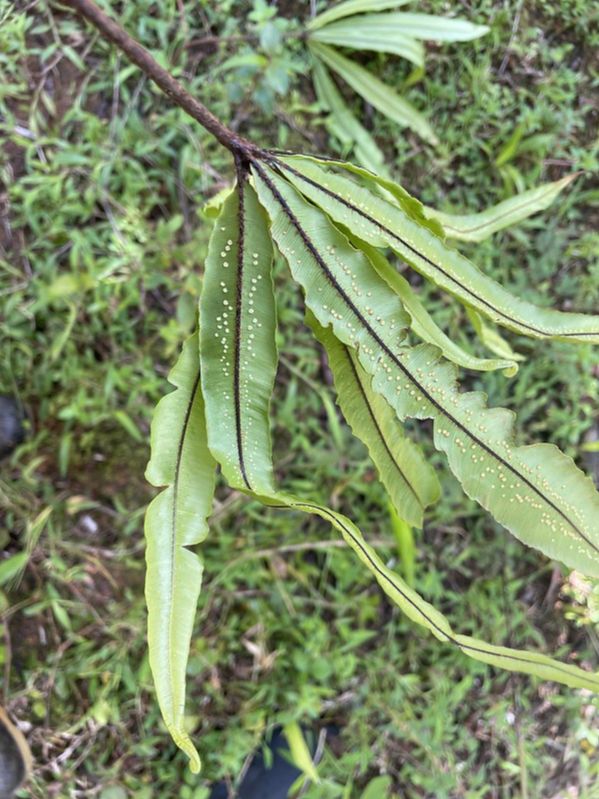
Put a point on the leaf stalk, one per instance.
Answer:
(113, 32)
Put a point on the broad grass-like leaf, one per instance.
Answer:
(382, 224)
(238, 351)
(428, 26)
(176, 520)
(343, 124)
(424, 614)
(425, 326)
(372, 32)
(410, 481)
(477, 227)
(351, 7)
(535, 491)
(374, 91)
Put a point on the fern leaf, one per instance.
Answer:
(382, 224)
(535, 491)
(410, 481)
(238, 351)
(176, 520)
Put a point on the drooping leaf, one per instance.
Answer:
(425, 326)
(423, 613)
(176, 520)
(382, 224)
(350, 7)
(238, 352)
(409, 479)
(535, 491)
(371, 32)
(479, 226)
(343, 124)
(435, 28)
(374, 91)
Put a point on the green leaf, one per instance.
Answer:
(424, 614)
(176, 520)
(410, 481)
(238, 352)
(375, 92)
(300, 754)
(510, 148)
(425, 326)
(428, 26)
(477, 227)
(378, 181)
(372, 32)
(535, 491)
(491, 338)
(12, 568)
(343, 124)
(382, 224)
(352, 7)
(378, 788)
(406, 548)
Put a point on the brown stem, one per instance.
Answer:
(112, 31)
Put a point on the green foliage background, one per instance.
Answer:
(102, 239)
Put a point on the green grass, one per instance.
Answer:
(101, 252)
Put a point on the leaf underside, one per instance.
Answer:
(409, 479)
(478, 227)
(382, 224)
(332, 230)
(176, 520)
(238, 351)
(535, 491)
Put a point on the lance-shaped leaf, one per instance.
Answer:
(424, 614)
(535, 491)
(351, 7)
(238, 352)
(376, 32)
(409, 479)
(477, 227)
(429, 26)
(343, 124)
(374, 91)
(176, 520)
(380, 181)
(382, 224)
(425, 326)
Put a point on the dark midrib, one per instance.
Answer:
(377, 427)
(238, 308)
(179, 457)
(425, 258)
(518, 658)
(319, 260)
